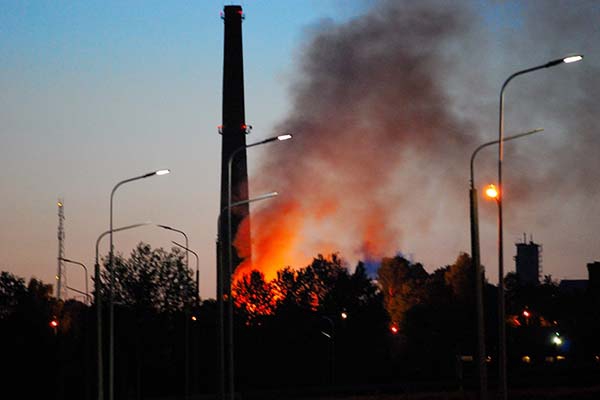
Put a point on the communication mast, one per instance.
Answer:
(61, 276)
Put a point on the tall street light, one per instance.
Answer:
(220, 293)
(229, 189)
(283, 137)
(475, 259)
(502, 386)
(331, 336)
(111, 342)
(186, 324)
(87, 292)
(98, 301)
(186, 345)
(187, 251)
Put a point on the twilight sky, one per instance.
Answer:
(97, 92)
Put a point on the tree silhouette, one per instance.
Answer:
(403, 286)
(12, 292)
(150, 279)
(253, 296)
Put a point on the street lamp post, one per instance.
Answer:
(111, 342)
(98, 301)
(220, 294)
(479, 273)
(331, 337)
(186, 248)
(502, 385)
(186, 340)
(195, 255)
(230, 245)
(87, 295)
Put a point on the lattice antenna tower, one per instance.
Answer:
(61, 276)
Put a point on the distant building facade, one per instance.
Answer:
(528, 262)
(573, 285)
(594, 275)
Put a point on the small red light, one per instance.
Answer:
(244, 126)
(394, 329)
(54, 323)
(526, 314)
(240, 12)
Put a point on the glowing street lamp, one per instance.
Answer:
(475, 259)
(283, 137)
(491, 191)
(502, 386)
(111, 343)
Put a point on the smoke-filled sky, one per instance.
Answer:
(387, 100)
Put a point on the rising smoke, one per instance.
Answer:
(386, 111)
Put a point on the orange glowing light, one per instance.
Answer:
(394, 329)
(526, 314)
(492, 192)
(54, 323)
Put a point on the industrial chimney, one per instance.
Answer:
(233, 131)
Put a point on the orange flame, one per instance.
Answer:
(273, 241)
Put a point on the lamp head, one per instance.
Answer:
(565, 60)
(492, 192)
(573, 58)
(162, 172)
(284, 136)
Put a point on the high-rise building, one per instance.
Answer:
(528, 262)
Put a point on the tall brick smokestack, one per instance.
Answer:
(233, 131)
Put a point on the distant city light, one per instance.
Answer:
(557, 340)
(344, 315)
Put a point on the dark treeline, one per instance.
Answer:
(321, 327)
